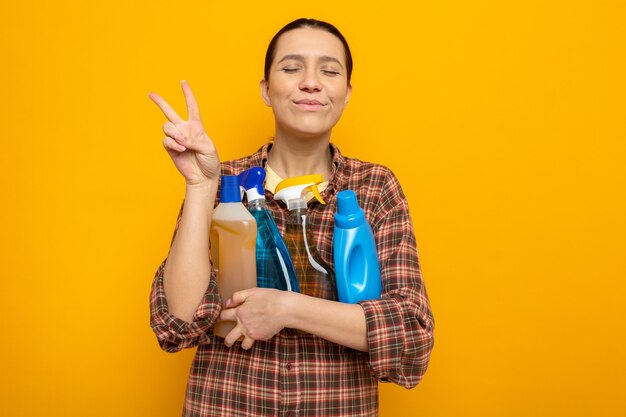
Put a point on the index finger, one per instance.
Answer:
(167, 110)
(236, 299)
(193, 112)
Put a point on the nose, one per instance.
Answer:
(310, 81)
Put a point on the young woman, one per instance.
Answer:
(300, 355)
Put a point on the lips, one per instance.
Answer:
(309, 105)
(309, 102)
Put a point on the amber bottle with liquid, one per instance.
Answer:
(233, 246)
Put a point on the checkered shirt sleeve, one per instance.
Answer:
(174, 334)
(400, 323)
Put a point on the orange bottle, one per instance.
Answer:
(233, 246)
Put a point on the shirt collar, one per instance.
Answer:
(337, 174)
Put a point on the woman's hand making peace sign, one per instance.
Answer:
(186, 141)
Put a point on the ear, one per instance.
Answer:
(265, 92)
(348, 95)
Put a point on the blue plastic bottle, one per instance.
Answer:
(274, 267)
(357, 270)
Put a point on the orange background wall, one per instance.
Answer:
(505, 122)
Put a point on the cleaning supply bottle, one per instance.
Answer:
(233, 251)
(274, 268)
(354, 252)
(315, 277)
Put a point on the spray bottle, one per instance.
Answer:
(354, 252)
(233, 252)
(314, 275)
(274, 268)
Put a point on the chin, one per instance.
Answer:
(313, 128)
(310, 133)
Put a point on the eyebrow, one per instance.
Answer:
(298, 57)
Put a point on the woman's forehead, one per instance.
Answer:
(309, 42)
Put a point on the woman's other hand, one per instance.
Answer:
(186, 141)
(258, 312)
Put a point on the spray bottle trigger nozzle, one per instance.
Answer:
(252, 183)
(317, 195)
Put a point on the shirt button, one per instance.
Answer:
(289, 414)
(288, 366)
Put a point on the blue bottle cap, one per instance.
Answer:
(229, 191)
(349, 214)
(252, 181)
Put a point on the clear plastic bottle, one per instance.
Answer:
(233, 246)
(315, 276)
(274, 267)
(354, 252)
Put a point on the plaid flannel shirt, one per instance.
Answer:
(299, 374)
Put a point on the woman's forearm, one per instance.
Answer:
(187, 270)
(340, 323)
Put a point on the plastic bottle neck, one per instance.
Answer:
(258, 204)
(295, 215)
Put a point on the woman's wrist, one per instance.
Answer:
(292, 304)
(201, 195)
(205, 189)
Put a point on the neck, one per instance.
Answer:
(291, 157)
